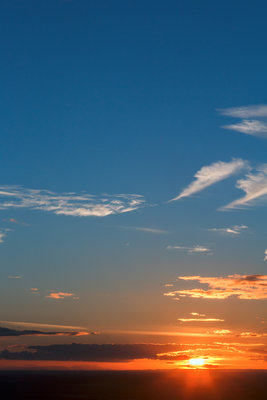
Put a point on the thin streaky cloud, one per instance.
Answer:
(255, 187)
(7, 332)
(40, 325)
(14, 277)
(61, 295)
(265, 255)
(233, 230)
(249, 127)
(251, 111)
(73, 204)
(211, 174)
(195, 249)
(145, 229)
(200, 320)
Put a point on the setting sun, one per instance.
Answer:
(196, 362)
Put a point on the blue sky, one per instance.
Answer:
(128, 98)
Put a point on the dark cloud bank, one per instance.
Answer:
(95, 352)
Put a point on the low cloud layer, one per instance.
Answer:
(74, 204)
(6, 332)
(95, 352)
(211, 174)
(249, 287)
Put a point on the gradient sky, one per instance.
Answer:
(133, 152)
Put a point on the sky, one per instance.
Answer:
(134, 184)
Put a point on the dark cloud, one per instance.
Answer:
(95, 352)
(13, 332)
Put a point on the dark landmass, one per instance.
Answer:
(137, 385)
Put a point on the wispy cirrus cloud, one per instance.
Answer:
(249, 287)
(252, 111)
(145, 229)
(14, 277)
(255, 187)
(265, 255)
(249, 127)
(211, 174)
(74, 204)
(61, 295)
(232, 230)
(254, 127)
(191, 250)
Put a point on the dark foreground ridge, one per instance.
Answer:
(174, 385)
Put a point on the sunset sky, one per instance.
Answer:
(133, 190)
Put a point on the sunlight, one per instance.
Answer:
(196, 362)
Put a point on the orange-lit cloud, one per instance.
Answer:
(200, 319)
(61, 295)
(249, 287)
(222, 331)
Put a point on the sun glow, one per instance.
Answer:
(196, 362)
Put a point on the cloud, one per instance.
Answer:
(222, 331)
(254, 127)
(200, 320)
(2, 236)
(211, 174)
(233, 230)
(251, 334)
(245, 111)
(248, 287)
(40, 325)
(94, 352)
(74, 204)
(265, 255)
(14, 277)
(255, 187)
(145, 229)
(61, 295)
(4, 332)
(195, 249)
(249, 127)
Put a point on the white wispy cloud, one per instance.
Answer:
(74, 204)
(259, 110)
(254, 127)
(232, 230)
(255, 187)
(265, 255)
(14, 277)
(145, 229)
(211, 174)
(249, 127)
(2, 236)
(195, 249)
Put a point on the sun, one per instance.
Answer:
(196, 362)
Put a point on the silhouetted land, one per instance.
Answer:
(178, 385)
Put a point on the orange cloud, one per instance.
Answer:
(61, 295)
(200, 319)
(249, 287)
